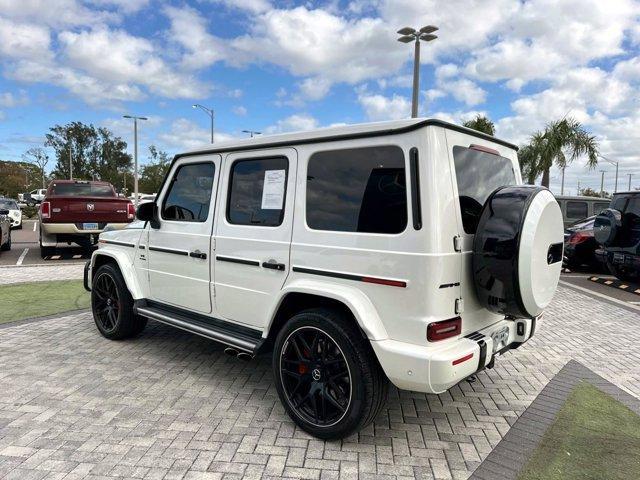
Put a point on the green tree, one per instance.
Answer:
(95, 152)
(152, 173)
(18, 177)
(590, 192)
(38, 157)
(481, 124)
(560, 143)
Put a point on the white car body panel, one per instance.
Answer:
(438, 277)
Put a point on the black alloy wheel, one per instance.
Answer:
(326, 373)
(112, 304)
(106, 305)
(315, 377)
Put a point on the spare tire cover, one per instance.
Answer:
(606, 225)
(517, 250)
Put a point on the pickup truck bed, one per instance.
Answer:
(75, 211)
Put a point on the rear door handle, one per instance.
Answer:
(273, 265)
(198, 254)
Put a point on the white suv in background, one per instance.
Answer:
(15, 214)
(405, 250)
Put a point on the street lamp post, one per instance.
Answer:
(615, 188)
(412, 35)
(251, 132)
(135, 156)
(602, 183)
(208, 111)
(630, 175)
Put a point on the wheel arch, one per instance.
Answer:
(125, 265)
(307, 294)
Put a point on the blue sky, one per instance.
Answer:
(280, 66)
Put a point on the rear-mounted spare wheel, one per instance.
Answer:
(606, 226)
(517, 251)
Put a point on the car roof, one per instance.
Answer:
(339, 132)
(581, 197)
(94, 182)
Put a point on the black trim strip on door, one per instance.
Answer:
(169, 250)
(350, 276)
(241, 261)
(449, 285)
(122, 244)
(415, 188)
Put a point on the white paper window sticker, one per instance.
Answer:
(273, 189)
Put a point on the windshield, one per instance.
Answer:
(82, 190)
(8, 205)
(478, 174)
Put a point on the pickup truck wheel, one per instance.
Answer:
(46, 251)
(112, 305)
(327, 375)
(7, 245)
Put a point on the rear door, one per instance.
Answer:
(179, 251)
(253, 233)
(479, 167)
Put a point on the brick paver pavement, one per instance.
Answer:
(40, 273)
(172, 405)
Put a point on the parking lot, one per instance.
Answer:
(25, 249)
(171, 405)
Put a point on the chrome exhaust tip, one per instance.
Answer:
(232, 352)
(245, 356)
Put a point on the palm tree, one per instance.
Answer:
(481, 124)
(561, 143)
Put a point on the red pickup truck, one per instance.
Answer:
(76, 211)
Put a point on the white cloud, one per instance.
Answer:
(379, 107)
(58, 13)
(252, 6)
(293, 123)
(185, 135)
(115, 56)
(189, 29)
(24, 40)
(314, 88)
(239, 110)
(10, 100)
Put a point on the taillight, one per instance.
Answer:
(445, 329)
(131, 211)
(45, 210)
(579, 237)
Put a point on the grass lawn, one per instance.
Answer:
(37, 299)
(594, 437)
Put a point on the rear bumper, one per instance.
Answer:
(435, 369)
(15, 222)
(54, 233)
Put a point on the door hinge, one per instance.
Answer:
(213, 244)
(459, 306)
(457, 243)
(213, 290)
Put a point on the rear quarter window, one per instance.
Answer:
(478, 174)
(81, 190)
(577, 210)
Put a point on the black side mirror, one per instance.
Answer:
(148, 212)
(4, 211)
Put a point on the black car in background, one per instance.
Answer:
(617, 229)
(580, 245)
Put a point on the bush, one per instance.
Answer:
(29, 212)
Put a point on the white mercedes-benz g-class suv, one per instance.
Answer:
(405, 250)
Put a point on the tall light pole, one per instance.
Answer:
(615, 188)
(602, 183)
(630, 175)
(208, 111)
(251, 132)
(412, 35)
(70, 160)
(135, 155)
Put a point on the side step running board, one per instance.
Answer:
(241, 338)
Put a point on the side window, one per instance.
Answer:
(598, 207)
(257, 191)
(357, 190)
(577, 210)
(189, 194)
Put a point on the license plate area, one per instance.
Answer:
(500, 338)
(90, 226)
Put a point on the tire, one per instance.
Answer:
(46, 251)
(112, 305)
(351, 400)
(19, 227)
(7, 246)
(621, 274)
(518, 251)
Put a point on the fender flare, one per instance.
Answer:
(125, 264)
(354, 299)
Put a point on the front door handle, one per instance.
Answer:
(273, 265)
(198, 254)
